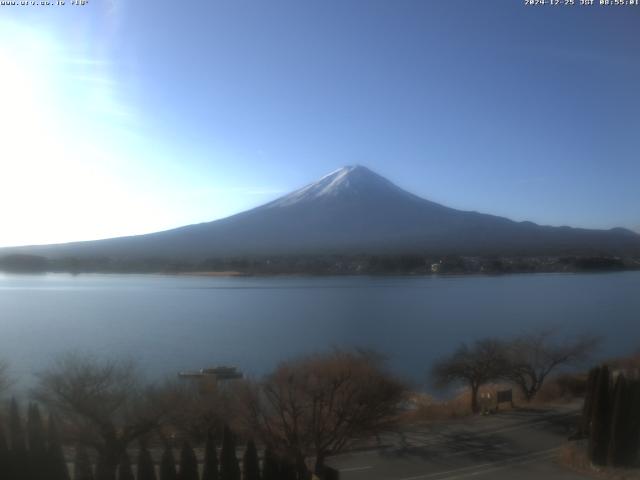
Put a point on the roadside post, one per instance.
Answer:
(485, 403)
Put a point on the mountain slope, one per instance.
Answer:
(353, 210)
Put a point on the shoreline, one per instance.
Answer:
(327, 265)
(225, 273)
(238, 274)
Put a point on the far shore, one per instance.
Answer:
(326, 265)
(226, 273)
(235, 273)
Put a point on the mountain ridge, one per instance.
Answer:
(352, 210)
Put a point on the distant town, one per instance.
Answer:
(324, 265)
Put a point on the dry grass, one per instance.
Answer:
(564, 388)
(561, 389)
(429, 409)
(574, 456)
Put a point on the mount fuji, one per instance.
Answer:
(351, 211)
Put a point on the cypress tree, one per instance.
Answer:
(250, 462)
(35, 430)
(629, 438)
(37, 444)
(168, 465)
(16, 432)
(19, 461)
(210, 470)
(634, 434)
(82, 465)
(229, 468)
(587, 409)
(103, 470)
(270, 467)
(599, 433)
(5, 459)
(125, 472)
(619, 423)
(188, 463)
(287, 470)
(146, 470)
(634, 446)
(56, 463)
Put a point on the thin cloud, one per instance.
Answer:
(101, 92)
(239, 191)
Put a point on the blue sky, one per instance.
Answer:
(129, 117)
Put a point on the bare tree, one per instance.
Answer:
(321, 404)
(198, 408)
(101, 404)
(532, 357)
(475, 365)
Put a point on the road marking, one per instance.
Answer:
(485, 467)
(436, 474)
(496, 469)
(356, 469)
(440, 438)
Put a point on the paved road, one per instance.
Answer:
(513, 445)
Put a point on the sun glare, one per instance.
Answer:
(30, 145)
(59, 168)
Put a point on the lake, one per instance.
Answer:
(173, 323)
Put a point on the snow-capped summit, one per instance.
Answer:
(348, 181)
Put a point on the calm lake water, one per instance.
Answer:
(170, 323)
